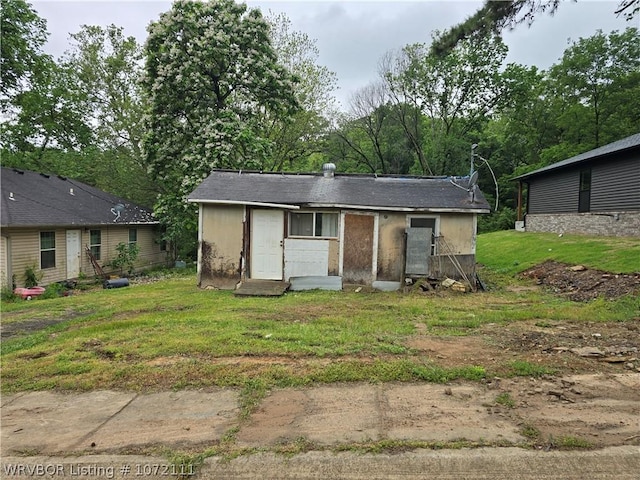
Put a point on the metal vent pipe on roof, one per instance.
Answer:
(329, 169)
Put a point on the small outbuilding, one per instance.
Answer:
(361, 229)
(58, 227)
(594, 193)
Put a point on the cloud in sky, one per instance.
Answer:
(353, 35)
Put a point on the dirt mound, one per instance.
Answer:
(582, 284)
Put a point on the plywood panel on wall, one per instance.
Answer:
(358, 248)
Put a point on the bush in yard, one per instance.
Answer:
(126, 258)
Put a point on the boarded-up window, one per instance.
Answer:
(47, 250)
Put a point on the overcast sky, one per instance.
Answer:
(353, 35)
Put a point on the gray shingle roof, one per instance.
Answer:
(632, 141)
(342, 190)
(33, 199)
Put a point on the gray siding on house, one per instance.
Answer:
(615, 185)
(556, 193)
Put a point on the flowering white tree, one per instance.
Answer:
(211, 75)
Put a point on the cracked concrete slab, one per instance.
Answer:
(172, 419)
(50, 423)
(355, 413)
(324, 415)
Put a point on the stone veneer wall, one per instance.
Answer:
(610, 224)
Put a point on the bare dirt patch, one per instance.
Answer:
(580, 284)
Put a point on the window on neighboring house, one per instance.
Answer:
(95, 243)
(584, 201)
(313, 224)
(47, 250)
(133, 235)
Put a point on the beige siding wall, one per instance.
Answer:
(334, 256)
(459, 232)
(221, 244)
(391, 229)
(5, 273)
(25, 251)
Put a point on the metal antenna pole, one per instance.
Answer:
(473, 148)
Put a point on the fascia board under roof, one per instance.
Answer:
(595, 155)
(344, 206)
(241, 202)
(78, 225)
(399, 209)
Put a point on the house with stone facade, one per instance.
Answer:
(594, 193)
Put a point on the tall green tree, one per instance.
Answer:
(369, 137)
(456, 93)
(106, 67)
(594, 86)
(211, 76)
(24, 34)
(39, 110)
(295, 139)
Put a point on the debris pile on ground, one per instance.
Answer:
(582, 284)
(454, 285)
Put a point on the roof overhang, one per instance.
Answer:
(399, 209)
(343, 206)
(241, 202)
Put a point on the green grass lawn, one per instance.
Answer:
(170, 334)
(512, 252)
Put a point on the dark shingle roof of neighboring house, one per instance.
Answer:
(341, 190)
(34, 199)
(628, 143)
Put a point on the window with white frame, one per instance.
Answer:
(95, 243)
(313, 224)
(47, 250)
(133, 235)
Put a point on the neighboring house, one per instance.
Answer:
(362, 229)
(594, 193)
(49, 222)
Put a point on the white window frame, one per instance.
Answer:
(313, 223)
(53, 249)
(95, 246)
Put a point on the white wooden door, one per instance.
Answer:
(267, 236)
(74, 247)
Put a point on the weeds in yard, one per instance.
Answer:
(569, 442)
(523, 368)
(505, 400)
(530, 432)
